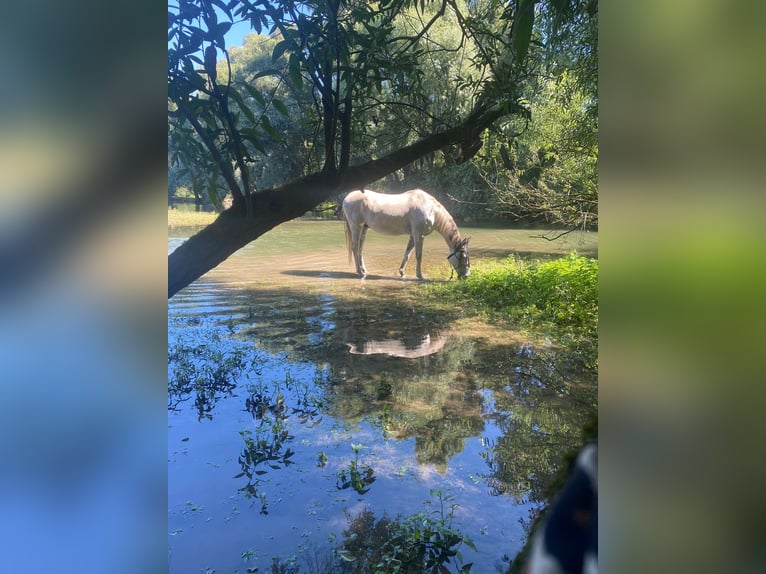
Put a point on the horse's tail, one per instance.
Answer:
(348, 234)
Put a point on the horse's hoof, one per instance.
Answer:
(401, 273)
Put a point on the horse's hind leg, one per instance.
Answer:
(407, 251)
(358, 243)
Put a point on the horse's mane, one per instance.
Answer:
(445, 225)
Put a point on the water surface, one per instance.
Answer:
(281, 359)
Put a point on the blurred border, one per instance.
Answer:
(83, 257)
(83, 286)
(682, 253)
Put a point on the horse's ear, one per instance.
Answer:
(465, 241)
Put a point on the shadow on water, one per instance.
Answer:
(292, 408)
(349, 275)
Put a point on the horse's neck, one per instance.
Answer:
(446, 226)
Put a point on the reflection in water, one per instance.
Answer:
(426, 345)
(491, 417)
(544, 404)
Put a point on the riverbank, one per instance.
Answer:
(179, 218)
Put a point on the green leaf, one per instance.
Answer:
(219, 32)
(264, 73)
(280, 107)
(270, 129)
(561, 6)
(256, 95)
(234, 94)
(197, 82)
(295, 71)
(210, 60)
(212, 193)
(522, 28)
(279, 50)
(254, 137)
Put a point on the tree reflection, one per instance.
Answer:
(540, 410)
(408, 372)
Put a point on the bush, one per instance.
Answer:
(563, 292)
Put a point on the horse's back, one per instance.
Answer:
(394, 214)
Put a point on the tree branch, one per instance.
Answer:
(226, 171)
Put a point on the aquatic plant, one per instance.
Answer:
(207, 371)
(425, 542)
(358, 475)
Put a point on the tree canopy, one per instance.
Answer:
(330, 95)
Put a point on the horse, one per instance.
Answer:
(414, 213)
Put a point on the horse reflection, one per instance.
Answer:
(424, 346)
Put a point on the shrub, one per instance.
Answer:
(563, 292)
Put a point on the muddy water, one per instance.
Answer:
(281, 360)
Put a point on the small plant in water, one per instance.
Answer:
(423, 542)
(358, 476)
(203, 371)
(249, 555)
(384, 389)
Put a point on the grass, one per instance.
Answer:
(178, 218)
(558, 296)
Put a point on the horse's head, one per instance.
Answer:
(459, 259)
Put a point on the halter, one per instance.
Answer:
(461, 245)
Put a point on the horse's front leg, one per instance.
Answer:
(419, 254)
(407, 251)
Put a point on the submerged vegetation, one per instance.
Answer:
(421, 542)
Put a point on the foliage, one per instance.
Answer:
(562, 293)
(204, 371)
(422, 542)
(358, 475)
(549, 170)
(267, 445)
(559, 298)
(324, 82)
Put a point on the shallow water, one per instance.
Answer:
(281, 359)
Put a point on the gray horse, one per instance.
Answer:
(414, 213)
